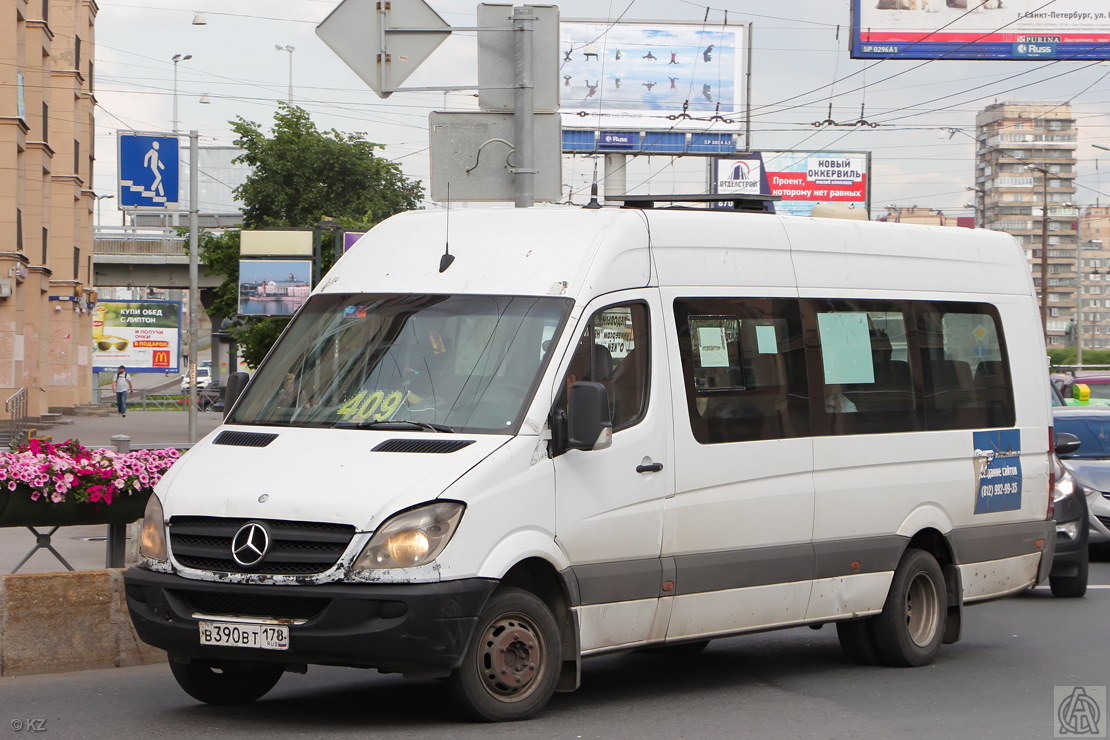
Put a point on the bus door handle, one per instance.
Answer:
(653, 468)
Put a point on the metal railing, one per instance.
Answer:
(124, 240)
(16, 406)
(146, 399)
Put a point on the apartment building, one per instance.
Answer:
(1025, 185)
(46, 201)
(1094, 277)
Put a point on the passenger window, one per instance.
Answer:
(613, 350)
(743, 366)
(862, 350)
(967, 379)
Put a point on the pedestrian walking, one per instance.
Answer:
(122, 385)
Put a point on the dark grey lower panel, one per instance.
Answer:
(604, 583)
(626, 580)
(874, 555)
(719, 571)
(997, 541)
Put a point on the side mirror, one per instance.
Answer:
(589, 426)
(1066, 443)
(236, 382)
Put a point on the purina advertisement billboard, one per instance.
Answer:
(802, 179)
(1028, 30)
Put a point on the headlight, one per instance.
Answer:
(152, 540)
(411, 538)
(1065, 484)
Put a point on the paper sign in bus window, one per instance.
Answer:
(766, 342)
(712, 346)
(846, 348)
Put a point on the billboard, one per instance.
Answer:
(802, 179)
(273, 287)
(647, 74)
(980, 29)
(143, 336)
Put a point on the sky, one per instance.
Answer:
(922, 150)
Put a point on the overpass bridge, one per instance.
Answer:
(143, 257)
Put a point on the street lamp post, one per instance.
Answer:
(979, 205)
(177, 59)
(290, 49)
(98, 199)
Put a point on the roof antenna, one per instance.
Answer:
(447, 258)
(593, 204)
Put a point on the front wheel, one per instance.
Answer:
(226, 682)
(511, 667)
(1070, 587)
(909, 630)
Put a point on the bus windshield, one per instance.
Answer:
(463, 363)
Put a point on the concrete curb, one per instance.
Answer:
(57, 622)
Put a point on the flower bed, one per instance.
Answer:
(46, 484)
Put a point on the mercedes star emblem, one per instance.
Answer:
(250, 544)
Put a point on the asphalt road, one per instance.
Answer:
(996, 683)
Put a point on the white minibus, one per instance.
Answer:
(493, 444)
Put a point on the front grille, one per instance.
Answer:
(297, 548)
(1105, 521)
(253, 605)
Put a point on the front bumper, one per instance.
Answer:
(407, 628)
(1099, 504)
(1069, 551)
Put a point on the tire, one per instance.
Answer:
(678, 650)
(1070, 587)
(909, 630)
(511, 667)
(857, 640)
(226, 682)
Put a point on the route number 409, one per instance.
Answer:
(376, 405)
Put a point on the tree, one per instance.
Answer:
(301, 176)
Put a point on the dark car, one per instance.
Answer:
(1090, 464)
(1070, 559)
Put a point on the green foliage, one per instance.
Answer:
(1066, 356)
(301, 177)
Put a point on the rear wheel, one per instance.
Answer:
(226, 681)
(910, 628)
(511, 666)
(1070, 587)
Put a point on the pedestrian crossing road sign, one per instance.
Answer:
(148, 171)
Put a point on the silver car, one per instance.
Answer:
(1090, 464)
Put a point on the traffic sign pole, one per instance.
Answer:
(194, 280)
(524, 174)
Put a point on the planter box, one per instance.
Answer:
(18, 510)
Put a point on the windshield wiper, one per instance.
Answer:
(395, 424)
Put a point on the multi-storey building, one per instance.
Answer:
(1094, 276)
(46, 200)
(1025, 185)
